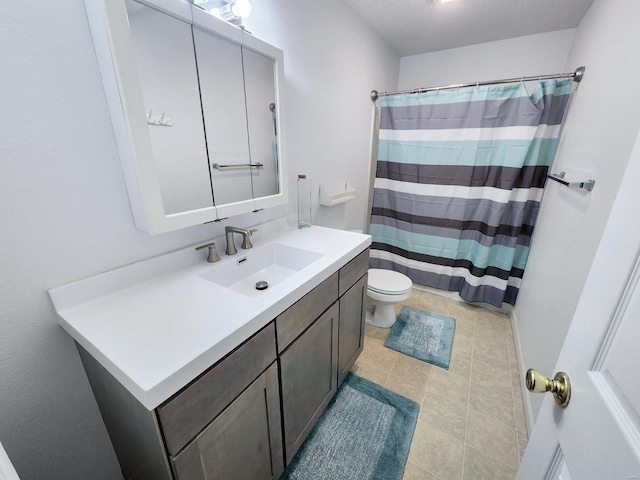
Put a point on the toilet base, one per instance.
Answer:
(381, 315)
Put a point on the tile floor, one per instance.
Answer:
(471, 424)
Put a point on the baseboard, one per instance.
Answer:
(528, 411)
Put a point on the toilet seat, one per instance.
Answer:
(388, 282)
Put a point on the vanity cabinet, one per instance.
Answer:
(247, 415)
(319, 339)
(210, 428)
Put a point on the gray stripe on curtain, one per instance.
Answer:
(480, 210)
(506, 178)
(478, 236)
(476, 114)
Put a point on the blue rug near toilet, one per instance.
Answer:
(424, 335)
(365, 433)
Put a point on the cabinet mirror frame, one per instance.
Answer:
(113, 43)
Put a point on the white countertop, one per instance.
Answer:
(157, 324)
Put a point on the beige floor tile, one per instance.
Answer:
(429, 302)
(491, 353)
(412, 370)
(468, 402)
(445, 415)
(437, 453)
(490, 375)
(478, 466)
(460, 365)
(411, 391)
(414, 472)
(369, 331)
(496, 439)
(377, 355)
(462, 311)
(449, 385)
(496, 402)
(465, 328)
(462, 345)
(370, 373)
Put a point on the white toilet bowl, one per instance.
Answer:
(385, 288)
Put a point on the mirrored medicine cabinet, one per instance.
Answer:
(196, 108)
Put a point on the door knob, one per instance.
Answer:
(560, 386)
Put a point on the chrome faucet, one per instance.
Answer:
(246, 242)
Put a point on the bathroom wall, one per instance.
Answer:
(332, 62)
(515, 57)
(599, 135)
(65, 213)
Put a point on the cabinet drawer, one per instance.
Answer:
(353, 271)
(186, 414)
(293, 321)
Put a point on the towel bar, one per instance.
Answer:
(559, 177)
(217, 166)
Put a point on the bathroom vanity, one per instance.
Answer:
(197, 374)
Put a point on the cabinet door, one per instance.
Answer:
(166, 66)
(351, 327)
(243, 442)
(222, 93)
(308, 372)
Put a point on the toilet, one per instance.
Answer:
(385, 288)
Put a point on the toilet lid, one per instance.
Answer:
(388, 281)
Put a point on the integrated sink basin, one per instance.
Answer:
(272, 264)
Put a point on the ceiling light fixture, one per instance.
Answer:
(235, 11)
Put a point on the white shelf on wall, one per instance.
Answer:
(334, 195)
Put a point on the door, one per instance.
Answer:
(597, 435)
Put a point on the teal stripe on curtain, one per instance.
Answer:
(508, 153)
(458, 185)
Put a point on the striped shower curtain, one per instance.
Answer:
(459, 182)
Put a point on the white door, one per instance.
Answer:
(597, 435)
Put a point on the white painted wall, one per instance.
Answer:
(332, 62)
(65, 213)
(599, 135)
(515, 57)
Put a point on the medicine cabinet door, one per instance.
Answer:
(163, 48)
(222, 93)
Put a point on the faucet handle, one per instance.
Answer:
(213, 254)
(246, 243)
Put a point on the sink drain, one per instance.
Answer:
(262, 285)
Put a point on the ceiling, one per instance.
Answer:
(420, 26)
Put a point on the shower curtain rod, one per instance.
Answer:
(577, 77)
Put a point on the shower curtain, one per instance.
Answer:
(459, 182)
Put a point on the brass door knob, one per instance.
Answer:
(560, 386)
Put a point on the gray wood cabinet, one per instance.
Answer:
(351, 327)
(308, 375)
(247, 416)
(319, 340)
(243, 442)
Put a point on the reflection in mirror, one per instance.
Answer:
(160, 42)
(225, 121)
(260, 88)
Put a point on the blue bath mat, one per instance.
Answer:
(423, 335)
(365, 433)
